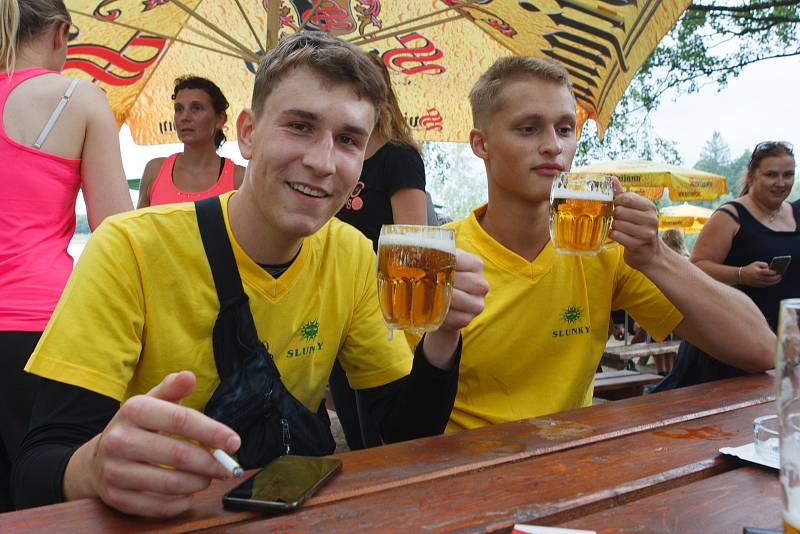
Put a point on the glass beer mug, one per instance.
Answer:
(787, 373)
(581, 208)
(416, 267)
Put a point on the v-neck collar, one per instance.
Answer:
(252, 273)
(508, 260)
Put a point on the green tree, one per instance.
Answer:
(629, 135)
(454, 177)
(710, 44)
(713, 42)
(737, 170)
(716, 157)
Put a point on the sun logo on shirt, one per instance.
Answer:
(571, 314)
(309, 330)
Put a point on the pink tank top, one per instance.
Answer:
(163, 190)
(37, 221)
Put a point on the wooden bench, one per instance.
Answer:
(615, 385)
(621, 356)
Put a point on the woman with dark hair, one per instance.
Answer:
(197, 172)
(57, 136)
(391, 190)
(737, 245)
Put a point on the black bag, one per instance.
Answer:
(251, 399)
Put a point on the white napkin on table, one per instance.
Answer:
(748, 452)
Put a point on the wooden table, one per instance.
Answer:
(747, 496)
(621, 356)
(615, 385)
(568, 468)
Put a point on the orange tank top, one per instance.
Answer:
(164, 191)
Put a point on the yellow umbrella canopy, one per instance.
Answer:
(685, 216)
(435, 50)
(649, 179)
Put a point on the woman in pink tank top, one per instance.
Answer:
(57, 136)
(197, 172)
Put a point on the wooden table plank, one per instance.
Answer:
(544, 490)
(747, 496)
(417, 461)
(622, 386)
(619, 356)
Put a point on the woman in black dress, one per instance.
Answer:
(737, 245)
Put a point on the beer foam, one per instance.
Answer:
(579, 194)
(420, 240)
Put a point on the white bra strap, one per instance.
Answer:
(55, 115)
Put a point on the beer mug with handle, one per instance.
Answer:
(581, 208)
(787, 375)
(416, 267)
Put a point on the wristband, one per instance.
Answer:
(739, 275)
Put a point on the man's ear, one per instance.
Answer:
(479, 143)
(245, 126)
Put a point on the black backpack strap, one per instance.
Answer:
(250, 397)
(219, 251)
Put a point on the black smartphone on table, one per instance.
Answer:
(283, 484)
(779, 264)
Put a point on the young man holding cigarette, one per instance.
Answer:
(535, 348)
(128, 357)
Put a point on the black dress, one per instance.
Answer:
(753, 242)
(394, 166)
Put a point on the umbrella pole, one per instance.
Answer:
(273, 24)
(242, 48)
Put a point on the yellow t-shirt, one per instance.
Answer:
(535, 347)
(141, 304)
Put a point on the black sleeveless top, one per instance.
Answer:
(753, 242)
(756, 242)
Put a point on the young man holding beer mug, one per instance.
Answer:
(535, 348)
(119, 413)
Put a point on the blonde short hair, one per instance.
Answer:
(484, 98)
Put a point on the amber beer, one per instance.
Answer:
(416, 266)
(789, 412)
(580, 214)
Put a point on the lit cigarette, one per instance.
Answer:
(228, 463)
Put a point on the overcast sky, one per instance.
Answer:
(760, 105)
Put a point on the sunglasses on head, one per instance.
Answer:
(769, 145)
